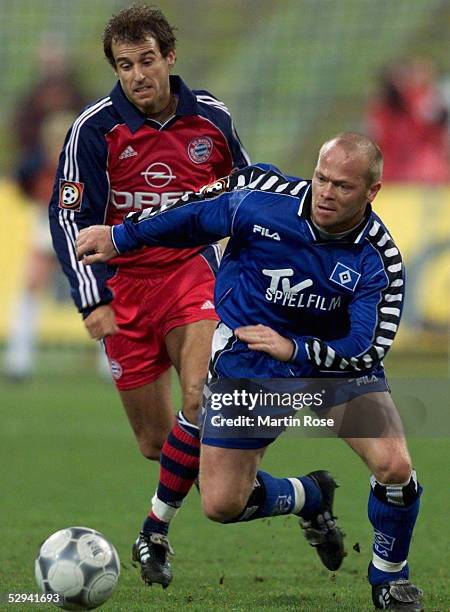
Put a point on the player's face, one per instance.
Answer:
(144, 73)
(339, 189)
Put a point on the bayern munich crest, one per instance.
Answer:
(116, 369)
(200, 149)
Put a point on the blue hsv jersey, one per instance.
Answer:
(340, 301)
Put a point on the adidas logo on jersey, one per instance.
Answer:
(128, 152)
(208, 305)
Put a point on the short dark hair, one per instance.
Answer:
(352, 141)
(133, 25)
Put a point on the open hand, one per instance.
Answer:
(262, 338)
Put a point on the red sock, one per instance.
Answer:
(179, 465)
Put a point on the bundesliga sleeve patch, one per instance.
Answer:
(70, 195)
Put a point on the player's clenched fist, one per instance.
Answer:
(94, 244)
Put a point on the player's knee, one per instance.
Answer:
(222, 509)
(192, 396)
(393, 470)
(150, 449)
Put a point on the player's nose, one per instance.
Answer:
(138, 75)
(327, 191)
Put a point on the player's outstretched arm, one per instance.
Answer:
(193, 220)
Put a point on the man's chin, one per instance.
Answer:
(144, 104)
(324, 219)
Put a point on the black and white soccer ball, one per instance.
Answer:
(80, 566)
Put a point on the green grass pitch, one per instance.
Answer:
(68, 457)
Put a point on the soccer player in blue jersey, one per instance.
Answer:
(311, 286)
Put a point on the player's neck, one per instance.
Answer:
(166, 112)
(335, 236)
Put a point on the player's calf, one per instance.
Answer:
(179, 463)
(222, 508)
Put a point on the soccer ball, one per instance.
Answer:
(80, 566)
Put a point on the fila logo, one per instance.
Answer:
(264, 231)
(128, 152)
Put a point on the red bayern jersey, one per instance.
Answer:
(117, 161)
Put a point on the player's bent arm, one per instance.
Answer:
(375, 314)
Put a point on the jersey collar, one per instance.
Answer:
(132, 116)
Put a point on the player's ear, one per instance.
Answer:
(171, 58)
(373, 190)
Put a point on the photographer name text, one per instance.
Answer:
(270, 421)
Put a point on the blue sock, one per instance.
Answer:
(276, 496)
(393, 511)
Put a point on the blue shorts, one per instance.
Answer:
(239, 377)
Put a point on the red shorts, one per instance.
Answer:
(147, 309)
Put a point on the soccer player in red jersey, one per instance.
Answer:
(142, 146)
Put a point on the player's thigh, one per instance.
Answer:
(150, 413)
(226, 479)
(189, 349)
(367, 415)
